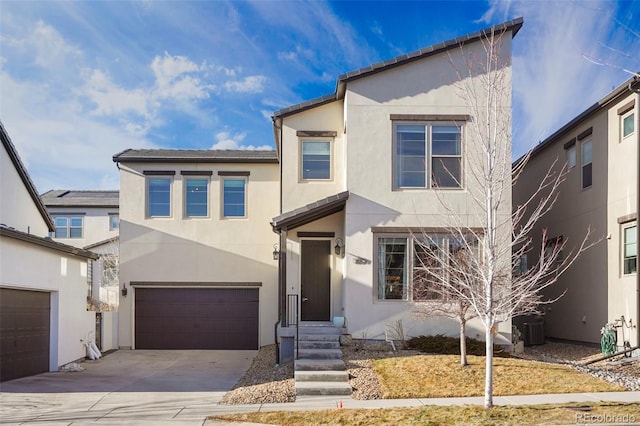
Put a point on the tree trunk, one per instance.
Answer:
(488, 377)
(463, 344)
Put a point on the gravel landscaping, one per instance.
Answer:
(266, 383)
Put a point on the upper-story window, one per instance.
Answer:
(586, 161)
(316, 160)
(571, 156)
(159, 196)
(630, 250)
(427, 155)
(234, 197)
(628, 124)
(114, 221)
(196, 197)
(68, 226)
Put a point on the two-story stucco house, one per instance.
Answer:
(43, 283)
(219, 248)
(600, 149)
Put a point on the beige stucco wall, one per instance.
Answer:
(17, 208)
(622, 200)
(95, 224)
(421, 87)
(64, 277)
(295, 191)
(211, 249)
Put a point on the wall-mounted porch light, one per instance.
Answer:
(339, 246)
(124, 290)
(276, 252)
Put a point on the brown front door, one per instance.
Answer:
(315, 280)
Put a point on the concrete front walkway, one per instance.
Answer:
(127, 387)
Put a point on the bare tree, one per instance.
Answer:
(482, 247)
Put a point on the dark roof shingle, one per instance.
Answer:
(195, 156)
(73, 198)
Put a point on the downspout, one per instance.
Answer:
(637, 90)
(281, 278)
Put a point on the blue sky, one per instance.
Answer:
(81, 81)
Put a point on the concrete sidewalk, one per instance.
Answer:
(325, 402)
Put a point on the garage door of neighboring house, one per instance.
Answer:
(196, 318)
(24, 331)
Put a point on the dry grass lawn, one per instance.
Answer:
(432, 376)
(455, 415)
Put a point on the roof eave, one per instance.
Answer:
(46, 242)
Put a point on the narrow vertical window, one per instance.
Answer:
(62, 227)
(316, 160)
(114, 222)
(392, 268)
(234, 197)
(75, 227)
(446, 157)
(587, 167)
(411, 155)
(159, 197)
(628, 124)
(630, 250)
(196, 198)
(571, 157)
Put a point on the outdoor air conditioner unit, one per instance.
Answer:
(534, 333)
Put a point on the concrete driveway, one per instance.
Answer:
(127, 387)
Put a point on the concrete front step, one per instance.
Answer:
(319, 338)
(319, 354)
(322, 376)
(319, 365)
(322, 344)
(314, 329)
(323, 388)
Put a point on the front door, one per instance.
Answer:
(315, 280)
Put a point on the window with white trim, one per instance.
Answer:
(415, 267)
(315, 163)
(427, 155)
(587, 163)
(234, 197)
(114, 221)
(196, 203)
(571, 156)
(627, 124)
(159, 196)
(630, 249)
(68, 226)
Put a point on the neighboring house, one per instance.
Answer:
(196, 248)
(352, 179)
(359, 171)
(600, 149)
(43, 283)
(90, 219)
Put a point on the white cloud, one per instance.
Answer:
(226, 140)
(250, 84)
(111, 99)
(553, 82)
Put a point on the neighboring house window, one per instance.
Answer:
(68, 226)
(628, 123)
(234, 197)
(415, 267)
(197, 198)
(521, 265)
(571, 157)
(159, 196)
(114, 222)
(316, 160)
(630, 249)
(427, 155)
(587, 166)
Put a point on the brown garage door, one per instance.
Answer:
(196, 318)
(24, 333)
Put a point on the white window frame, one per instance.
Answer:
(68, 219)
(623, 253)
(301, 159)
(571, 157)
(207, 181)
(114, 226)
(222, 196)
(149, 178)
(429, 156)
(627, 115)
